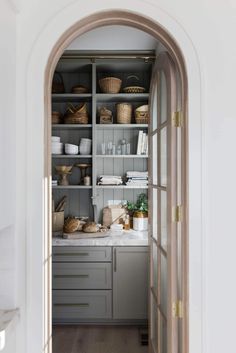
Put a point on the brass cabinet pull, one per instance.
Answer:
(71, 276)
(72, 304)
(115, 259)
(72, 254)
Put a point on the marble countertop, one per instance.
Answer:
(121, 238)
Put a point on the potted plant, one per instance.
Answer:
(138, 212)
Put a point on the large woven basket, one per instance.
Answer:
(76, 114)
(124, 113)
(110, 84)
(142, 114)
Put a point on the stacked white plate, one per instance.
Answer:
(85, 146)
(56, 145)
(71, 149)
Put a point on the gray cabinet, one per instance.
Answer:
(130, 281)
(106, 284)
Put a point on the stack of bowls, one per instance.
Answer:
(85, 146)
(71, 149)
(57, 145)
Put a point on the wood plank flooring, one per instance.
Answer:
(97, 339)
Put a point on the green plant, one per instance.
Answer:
(140, 205)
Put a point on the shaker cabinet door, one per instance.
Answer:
(130, 282)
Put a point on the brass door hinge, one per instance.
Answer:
(177, 309)
(177, 119)
(177, 213)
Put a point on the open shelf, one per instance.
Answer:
(71, 126)
(71, 187)
(125, 97)
(121, 156)
(73, 156)
(64, 97)
(121, 126)
(121, 187)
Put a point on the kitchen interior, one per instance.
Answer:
(99, 144)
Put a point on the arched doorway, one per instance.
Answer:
(136, 21)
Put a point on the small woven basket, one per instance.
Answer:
(142, 114)
(56, 117)
(110, 84)
(76, 114)
(124, 113)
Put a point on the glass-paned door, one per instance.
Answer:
(163, 197)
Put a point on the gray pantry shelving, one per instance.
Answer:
(90, 200)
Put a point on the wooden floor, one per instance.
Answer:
(97, 339)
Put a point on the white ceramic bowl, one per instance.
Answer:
(55, 139)
(85, 149)
(71, 149)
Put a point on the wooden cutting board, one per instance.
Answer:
(82, 235)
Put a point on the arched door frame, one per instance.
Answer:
(90, 22)
(141, 23)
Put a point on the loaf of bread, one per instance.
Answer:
(71, 225)
(90, 227)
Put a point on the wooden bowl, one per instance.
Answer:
(63, 168)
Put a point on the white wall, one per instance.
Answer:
(210, 26)
(8, 161)
(114, 38)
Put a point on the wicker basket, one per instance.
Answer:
(142, 114)
(124, 113)
(56, 117)
(76, 114)
(79, 89)
(110, 84)
(134, 88)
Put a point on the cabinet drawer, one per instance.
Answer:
(76, 304)
(81, 275)
(81, 253)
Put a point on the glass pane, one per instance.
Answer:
(163, 95)
(155, 109)
(154, 213)
(164, 219)
(154, 324)
(163, 285)
(154, 262)
(163, 137)
(154, 159)
(163, 335)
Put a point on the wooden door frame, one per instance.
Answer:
(105, 18)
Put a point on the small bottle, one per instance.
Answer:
(113, 149)
(127, 223)
(128, 148)
(123, 146)
(118, 149)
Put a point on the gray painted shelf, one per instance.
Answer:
(121, 126)
(74, 156)
(120, 187)
(121, 156)
(71, 187)
(90, 200)
(64, 97)
(127, 97)
(70, 126)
